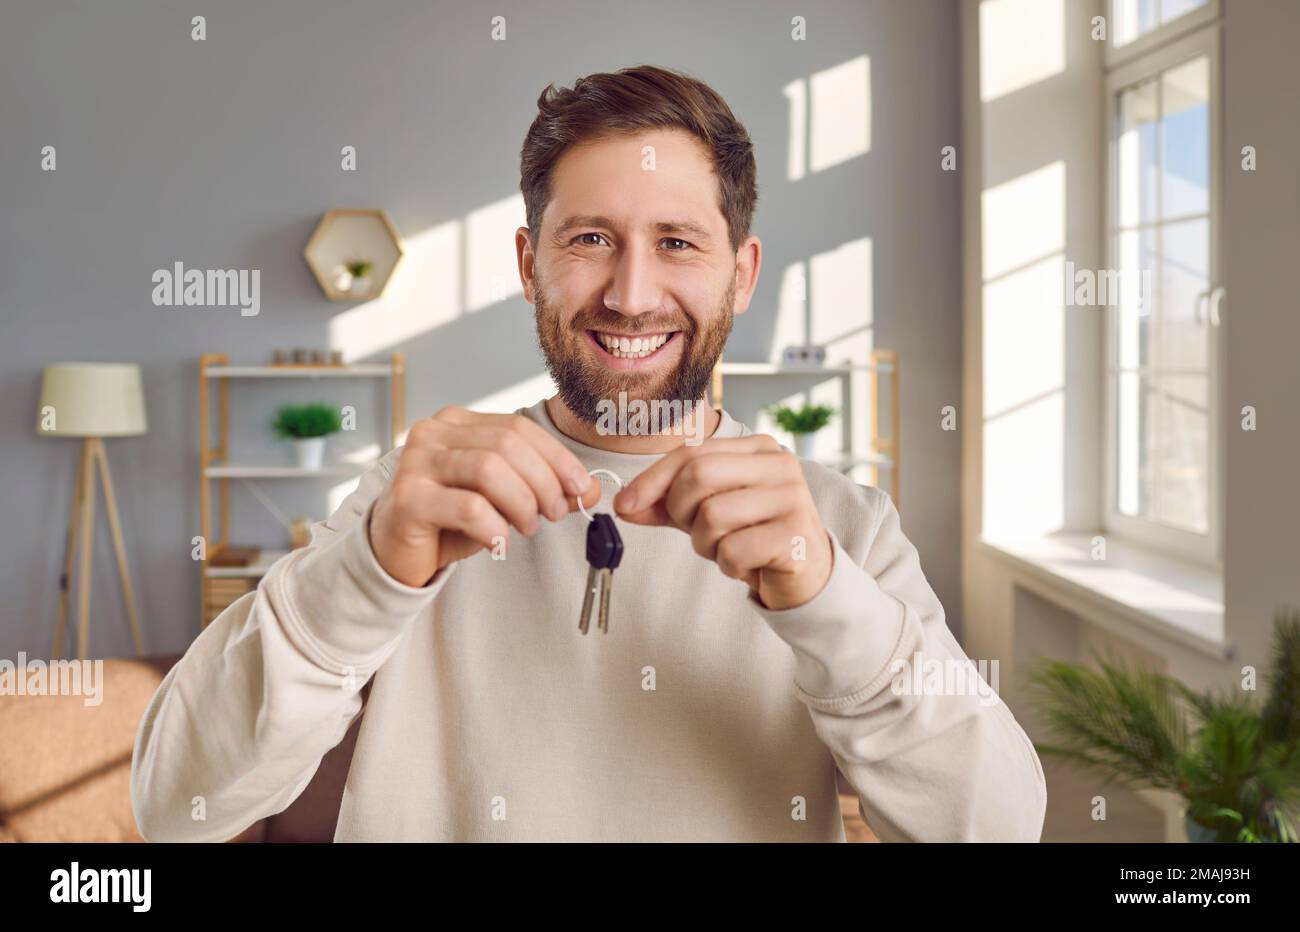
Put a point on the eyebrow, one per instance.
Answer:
(663, 226)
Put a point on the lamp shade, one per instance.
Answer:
(80, 399)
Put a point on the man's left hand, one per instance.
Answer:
(747, 507)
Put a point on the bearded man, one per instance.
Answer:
(764, 613)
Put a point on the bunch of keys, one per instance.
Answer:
(604, 553)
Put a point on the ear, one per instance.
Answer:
(749, 259)
(527, 259)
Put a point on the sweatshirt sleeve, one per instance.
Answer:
(239, 725)
(929, 762)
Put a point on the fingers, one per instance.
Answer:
(647, 489)
(517, 453)
(705, 477)
(743, 554)
(522, 470)
(672, 494)
(487, 473)
(568, 469)
(725, 513)
(468, 513)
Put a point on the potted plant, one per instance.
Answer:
(307, 426)
(1235, 761)
(359, 270)
(803, 423)
(353, 277)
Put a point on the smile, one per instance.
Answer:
(638, 347)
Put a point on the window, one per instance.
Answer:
(1137, 26)
(1162, 348)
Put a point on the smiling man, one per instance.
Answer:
(765, 619)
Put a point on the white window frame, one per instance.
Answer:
(1204, 548)
(1145, 43)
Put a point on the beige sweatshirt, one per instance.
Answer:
(700, 715)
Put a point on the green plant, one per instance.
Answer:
(310, 420)
(1236, 762)
(806, 420)
(359, 268)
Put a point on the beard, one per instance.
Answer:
(584, 383)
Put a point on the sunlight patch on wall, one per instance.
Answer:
(491, 266)
(520, 395)
(1024, 336)
(828, 117)
(1023, 220)
(424, 294)
(1022, 42)
(791, 324)
(840, 296)
(841, 114)
(796, 95)
(1024, 355)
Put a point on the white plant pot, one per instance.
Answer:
(309, 452)
(343, 280)
(803, 445)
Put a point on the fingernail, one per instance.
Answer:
(559, 508)
(578, 482)
(625, 500)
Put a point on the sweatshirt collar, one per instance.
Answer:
(625, 465)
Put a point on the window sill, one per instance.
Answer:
(1179, 601)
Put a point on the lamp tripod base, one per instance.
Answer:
(81, 536)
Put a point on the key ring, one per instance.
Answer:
(607, 472)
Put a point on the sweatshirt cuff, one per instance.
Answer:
(843, 638)
(345, 606)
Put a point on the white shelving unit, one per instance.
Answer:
(884, 454)
(215, 465)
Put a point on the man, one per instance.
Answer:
(763, 621)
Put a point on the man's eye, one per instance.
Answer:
(684, 245)
(580, 239)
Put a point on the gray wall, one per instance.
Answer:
(1261, 242)
(224, 154)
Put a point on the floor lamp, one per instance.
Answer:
(91, 401)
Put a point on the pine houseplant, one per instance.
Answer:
(1235, 760)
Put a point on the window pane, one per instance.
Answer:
(1138, 158)
(1133, 315)
(1129, 421)
(1185, 131)
(1179, 452)
(1184, 324)
(1170, 10)
(1132, 18)
(1163, 448)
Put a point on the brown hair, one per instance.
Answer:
(626, 102)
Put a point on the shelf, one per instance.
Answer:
(849, 460)
(347, 234)
(253, 471)
(773, 368)
(368, 370)
(258, 568)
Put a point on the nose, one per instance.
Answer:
(634, 289)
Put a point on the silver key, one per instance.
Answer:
(593, 581)
(604, 552)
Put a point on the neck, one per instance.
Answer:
(702, 424)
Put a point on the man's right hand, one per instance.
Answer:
(462, 481)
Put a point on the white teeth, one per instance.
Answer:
(632, 348)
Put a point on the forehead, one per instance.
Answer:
(637, 180)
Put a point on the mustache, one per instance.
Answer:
(627, 326)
